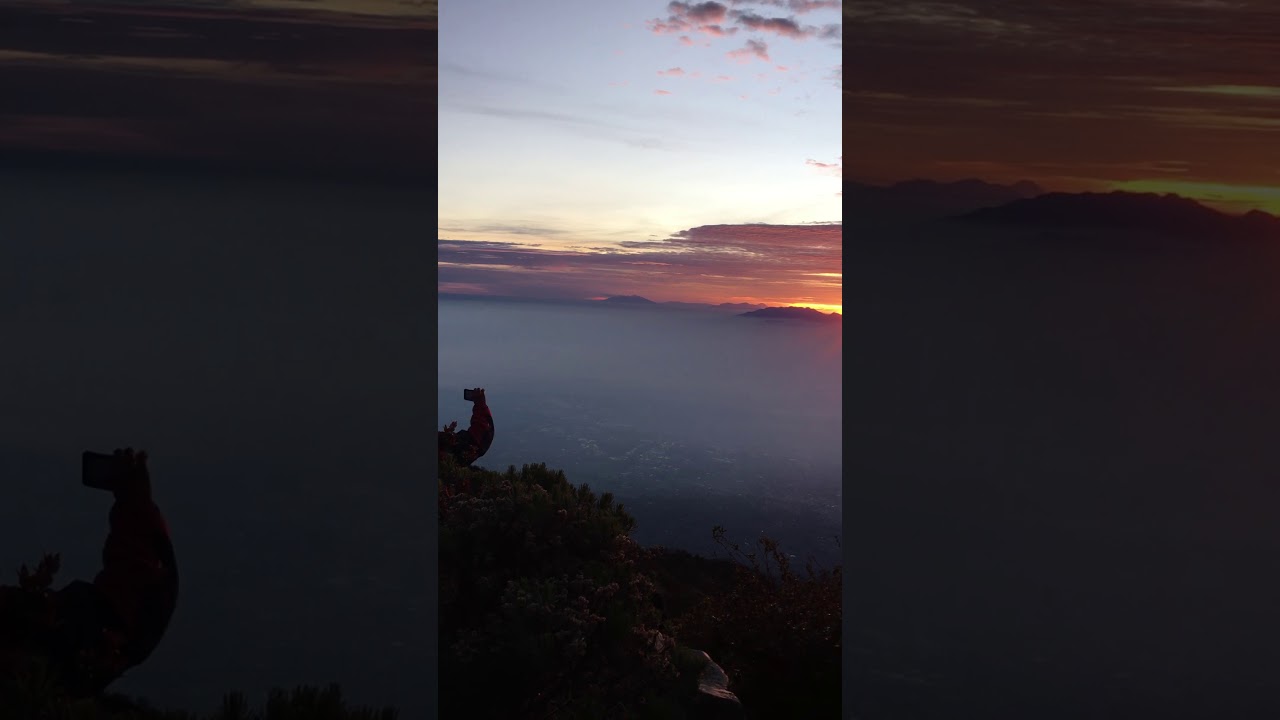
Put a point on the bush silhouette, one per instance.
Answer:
(549, 609)
(34, 692)
(775, 631)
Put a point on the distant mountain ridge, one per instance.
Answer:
(794, 313)
(1166, 214)
(640, 300)
(616, 301)
(929, 199)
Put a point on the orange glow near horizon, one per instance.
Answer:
(758, 264)
(837, 309)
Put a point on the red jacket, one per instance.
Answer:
(470, 444)
(139, 577)
(96, 631)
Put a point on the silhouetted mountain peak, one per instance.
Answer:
(629, 300)
(1148, 212)
(793, 313)
(1026, 188)
(919, 199)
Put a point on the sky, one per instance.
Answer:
(680, 151)
(1147, 95)
(334, 88)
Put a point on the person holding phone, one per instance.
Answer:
(469, 445)
(90, 633)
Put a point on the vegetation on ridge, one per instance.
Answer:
(549, 609)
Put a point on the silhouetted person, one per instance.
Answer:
(90, 633)
(467, 446)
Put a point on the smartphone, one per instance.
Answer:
(100, 471)
(469, 395)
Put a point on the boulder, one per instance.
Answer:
(714, 700)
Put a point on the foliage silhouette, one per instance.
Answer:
(33, 690)
(549, 609)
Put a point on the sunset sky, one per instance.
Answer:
(309, 88)
(680, 151)
(1149, 95)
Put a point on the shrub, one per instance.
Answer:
(776, 632)
(30, 690)
(543, 609)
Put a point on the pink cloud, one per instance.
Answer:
(684, 17)
(781, 68)
(718, 260)
(661, 92)
(701, 13)
(668, 27)
(835, 168)
(722, 78)
(673, 72)
(754, 48)
(686, 40)
(717, 31)
(785, 27)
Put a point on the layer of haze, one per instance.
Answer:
(692, 418)
(265, 345)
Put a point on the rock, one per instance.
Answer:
(715, 701)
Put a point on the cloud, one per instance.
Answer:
(717, 31)
(686, 40)
(709, 263)
(672, 72)
(754, 48)
(686, 17)
(797, 6)
(662, 92)
(1047, 70)
(328, 93)
(786, 27)
(836, 168)
(700, 13)
(507, 229)
(584, 124)
(808, 6)
(722, 78)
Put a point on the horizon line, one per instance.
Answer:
(643, 297)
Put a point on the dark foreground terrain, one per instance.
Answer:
(1066, 480)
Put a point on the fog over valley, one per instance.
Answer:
(692, 417)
